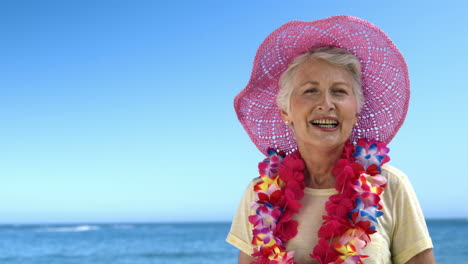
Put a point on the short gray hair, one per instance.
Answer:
(336, 56)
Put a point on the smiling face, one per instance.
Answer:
(323, 106)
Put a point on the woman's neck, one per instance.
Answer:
(319, 164)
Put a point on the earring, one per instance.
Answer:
(286, 122)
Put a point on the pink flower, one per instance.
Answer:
(356, 237)
(333, 227)
(363, 185)
(371, 152)
(283, 258)
(267, 216)
(265, 238)
(339, 205)
(272, 195)
(323, 253)
(375, 180)
(344, 174)
(287, 229)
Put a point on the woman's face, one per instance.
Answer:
(322, 105)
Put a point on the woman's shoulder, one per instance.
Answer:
(393, 173)
(396, 178)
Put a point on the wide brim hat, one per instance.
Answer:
(385, 80)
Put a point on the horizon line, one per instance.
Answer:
(175, 222)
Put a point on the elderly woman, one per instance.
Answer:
(323, 100)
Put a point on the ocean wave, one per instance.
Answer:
(179, 254)
(78, 228)
(122, 226)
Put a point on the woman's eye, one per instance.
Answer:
(312, 90)
(340, 91)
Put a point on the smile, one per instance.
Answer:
(324, 123)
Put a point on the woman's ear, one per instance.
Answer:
(284, 116)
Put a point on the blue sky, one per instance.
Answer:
(121, 111)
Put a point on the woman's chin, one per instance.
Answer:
(323, 142)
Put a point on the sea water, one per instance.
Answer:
(169, 243)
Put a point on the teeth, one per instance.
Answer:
(325, 123)
(327, 126)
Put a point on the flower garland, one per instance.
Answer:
(350, 215)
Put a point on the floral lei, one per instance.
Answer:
(350, 215)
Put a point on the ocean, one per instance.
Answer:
(170, 243)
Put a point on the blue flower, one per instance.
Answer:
(365, 214)
(371, 155)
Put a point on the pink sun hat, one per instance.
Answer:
(385, 80)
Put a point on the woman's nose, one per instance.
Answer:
(326, 103)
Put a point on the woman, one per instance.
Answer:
(323, 100)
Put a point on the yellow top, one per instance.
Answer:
(401, 232)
